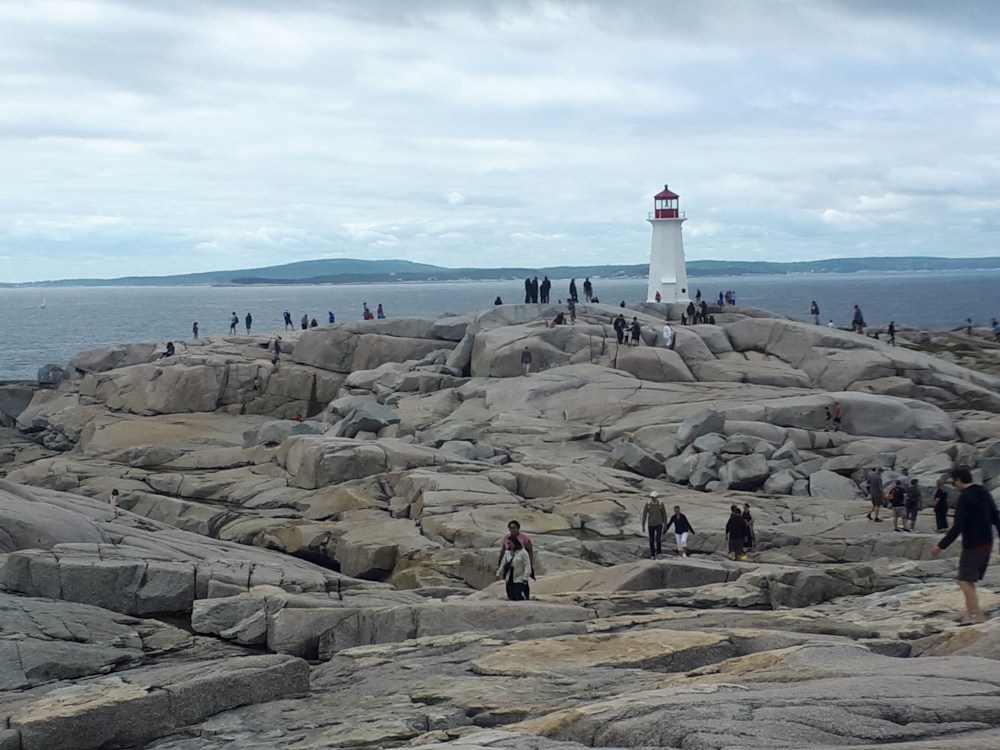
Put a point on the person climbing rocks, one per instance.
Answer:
(654, 515)
(682, 527)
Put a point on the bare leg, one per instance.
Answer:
(973, 613)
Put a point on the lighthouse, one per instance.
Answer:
(667, 272)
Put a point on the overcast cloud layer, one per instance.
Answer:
(168, 137)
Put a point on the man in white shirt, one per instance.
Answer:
(668, 336)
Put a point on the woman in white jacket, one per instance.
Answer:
(516, 569)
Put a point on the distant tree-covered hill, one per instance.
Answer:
(353, 271)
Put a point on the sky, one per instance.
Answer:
(172, 137)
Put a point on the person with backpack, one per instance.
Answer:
(897, 501)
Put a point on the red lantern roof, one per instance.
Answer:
(665, 193)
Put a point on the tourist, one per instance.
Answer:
(875, 493)
(668, 336)
(654, 515)
(636, 330)
(330, 317)
(682, 527)
(572, 290)
(248, 320)
(968, 326)
(498, 301)
(692, 313)
(656, 297)
(114, 498)
(814, 311)
(170, 350)
(858, 321)
(621, 304)
(704, 312)
(379, 312)
(527, 290)
(722, 300)
(892, 332)
(975, 515)
(558, 320)
(526, 360)
(276, 353)
(748, 517)
(194, 329)
(897, 501)
(830, 324)
(366, 314)
(234, 320)
(515, 568)
(736, 533)
(304, 321)
(941, 506)
(912, 493)
(288, 320)
(544, 290)
(827, 418)
(313, 323)
(588, 289)
(697, 297)
(571, 305)
(732, 298)
(838, 415)
(514, 531)
(534, 290)
(620, 325)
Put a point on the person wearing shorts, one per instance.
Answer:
(682, 527)
(975, 516)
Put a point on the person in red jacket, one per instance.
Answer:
(975, 516)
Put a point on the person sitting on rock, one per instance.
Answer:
(558, 320)
(515, 569)
(170, 350)
(514, 531)
(736, 533)
(682, 527)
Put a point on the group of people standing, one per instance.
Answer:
(539, 292)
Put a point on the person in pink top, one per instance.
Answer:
(514, 530)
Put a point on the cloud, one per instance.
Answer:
(143, 137)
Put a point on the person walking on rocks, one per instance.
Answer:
(892, 333)
(736, 533)
(288, 320)
(526, 360)
(515, 569)
(194, 329)
(941, 506)
(912, 495)
(588, 290)
(249, 321)
(814, 311)
(571, 306)
(654, 515)
(975, 516)
(827, 418)
(276, 353)
(234, 320)
(897, 501)
(572, 290)
(838, 415)
(875, 493)
(514, 532)
(620, 325)
(668, 336)
(682, 527)
(748, 517)
(636, 330)
(858, 321)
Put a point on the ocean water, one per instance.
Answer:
(49, 325)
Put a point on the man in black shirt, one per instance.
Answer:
(975, 516)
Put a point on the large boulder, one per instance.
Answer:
(831, 485)
(745, 472)
(702, 423)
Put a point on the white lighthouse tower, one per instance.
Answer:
(667, 272)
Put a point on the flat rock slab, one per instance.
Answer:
(140, 705)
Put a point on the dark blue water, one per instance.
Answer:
(50, 325)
